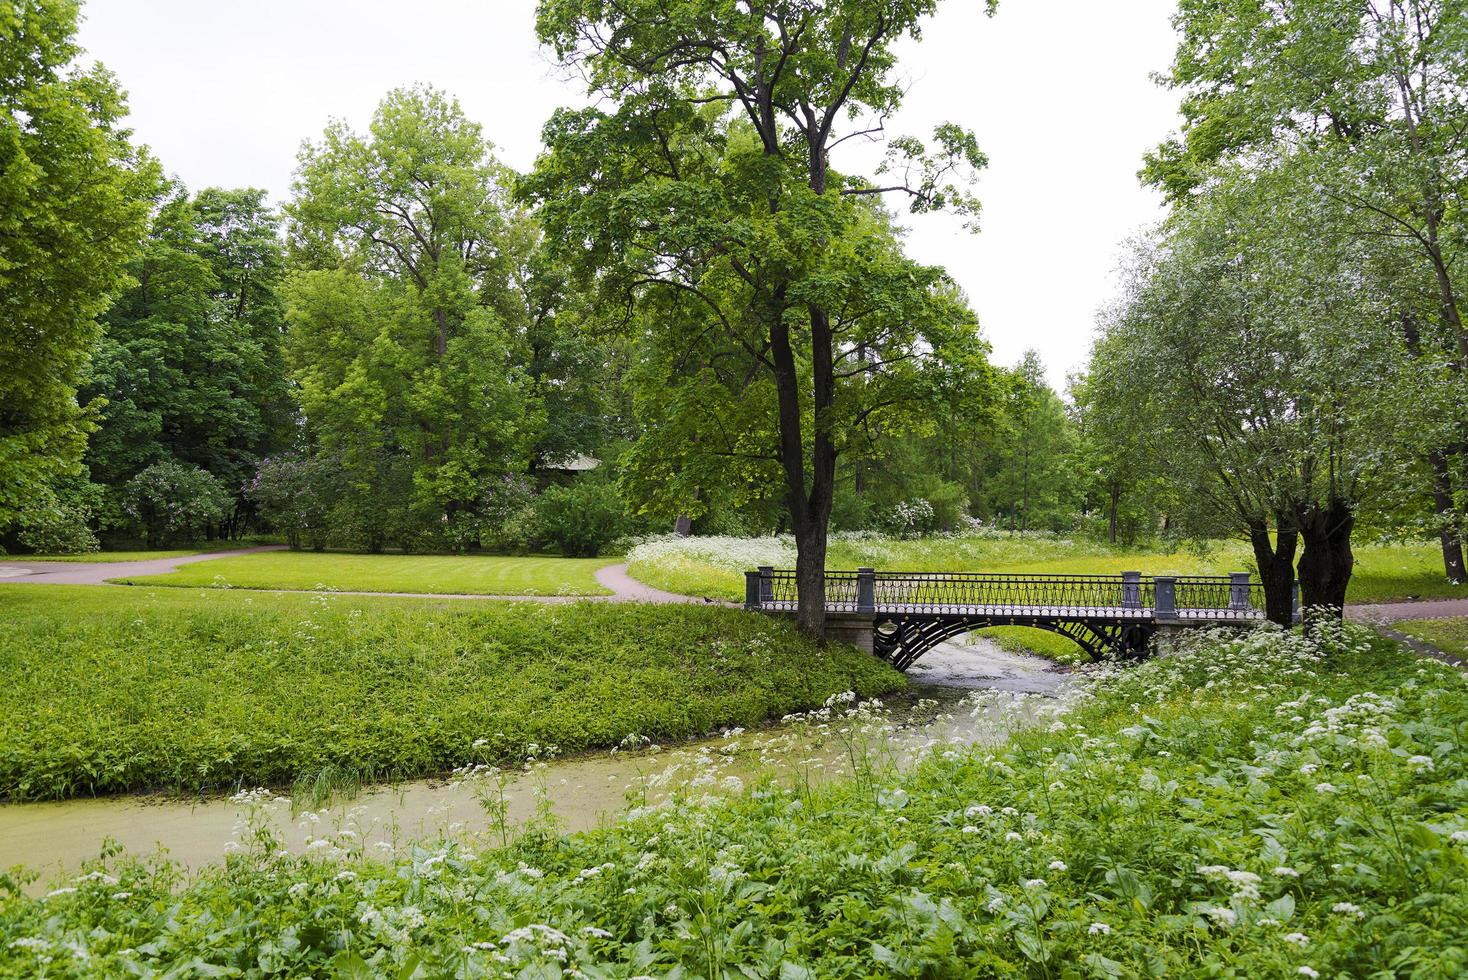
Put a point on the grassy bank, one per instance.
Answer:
(105, 690)
(1448, 635)
(448, 574)
(1248, 808)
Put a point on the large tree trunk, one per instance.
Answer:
(1326, 564)
(1442, 503)
(1442, 483)
(1276, 561)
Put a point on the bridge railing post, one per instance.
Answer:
(1238, 591)
(766, 583)
(866, 590)
(1165, 589)
(1131, 590)
(751, 590)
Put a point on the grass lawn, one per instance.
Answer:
(1254, 807)
(452, 574)
(105, 690)
(1448, 635)
(715, 566)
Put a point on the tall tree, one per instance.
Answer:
(400, 342)
(1370, 96)
(190, 364)
(73, 207)
(714, 178)
(1272, 388)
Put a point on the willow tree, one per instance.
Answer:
(1269, 389)
(1369, 96)
(711, 175)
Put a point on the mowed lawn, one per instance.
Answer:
(106, 690)
(448, 574)
(715, 566)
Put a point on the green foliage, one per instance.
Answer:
(403, 340)
(580, 519)
(125, 689)
(1275, 809)
(73, 205)
(294, 491)
(777, 322)
(190, 365)
(60, 522)
(170, 502)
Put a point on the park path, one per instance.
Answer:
(98, 572)
(623, 587)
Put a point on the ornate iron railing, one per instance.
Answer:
(1129, 595)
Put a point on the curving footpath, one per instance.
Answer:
(614, 578)
(98, 572)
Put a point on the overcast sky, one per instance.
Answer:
(1058, 92)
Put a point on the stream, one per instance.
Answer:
(957, 695)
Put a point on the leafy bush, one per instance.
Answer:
(60, 524)
(1255, 806)
(910, 518)
(172, 502)
(124, 689)
(580, 519)
(294, 491)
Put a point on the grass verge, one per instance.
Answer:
(107, 690)
(715, 566)
(447, 574)
(1449, 635)
(1250, 807)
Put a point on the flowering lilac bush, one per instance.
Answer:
(172, 502)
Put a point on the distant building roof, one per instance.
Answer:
(578, 463)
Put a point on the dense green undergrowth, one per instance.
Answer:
(1250, 807)
(105, 690)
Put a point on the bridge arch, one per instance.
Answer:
(901, 640)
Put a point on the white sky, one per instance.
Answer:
(1058, 92)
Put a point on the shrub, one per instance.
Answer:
(171, 502)
(910, 518)
(61, 523)
(293, 491)
(580, 519)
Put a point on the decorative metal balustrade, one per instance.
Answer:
(1128, 595)
(913, 611)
